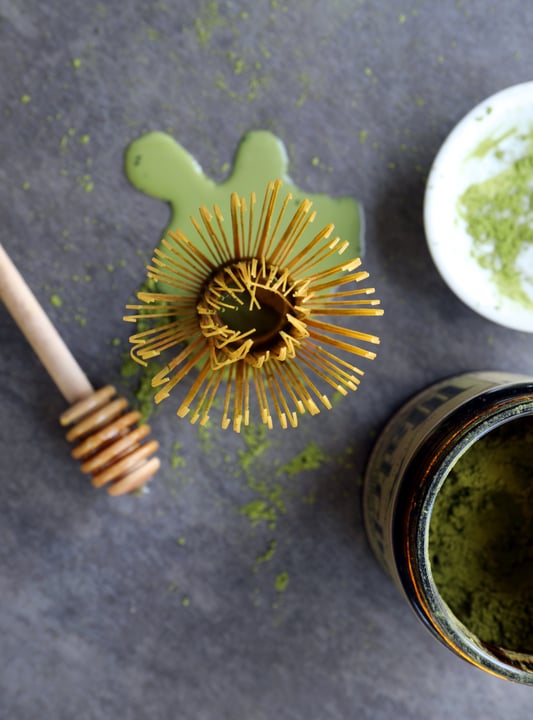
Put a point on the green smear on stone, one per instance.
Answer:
(160, 167)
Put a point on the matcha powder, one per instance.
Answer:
(498, 213)
(481, 537)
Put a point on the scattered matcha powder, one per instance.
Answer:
(498, 213)
(144, 391)
(281, 582)
(311, 458)
(267, 555)
(260, 511)
(152, 34)
(56, 300)
(176, 460)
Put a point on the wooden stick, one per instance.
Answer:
(41, 333)
(111, 451)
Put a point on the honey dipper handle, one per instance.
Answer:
(41, 333)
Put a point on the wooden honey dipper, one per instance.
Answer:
(110, 441)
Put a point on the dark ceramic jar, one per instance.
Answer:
(406, 470)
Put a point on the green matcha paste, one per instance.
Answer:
(498, 213)
(160, 167)
(481, 537)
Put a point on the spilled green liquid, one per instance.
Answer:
(160, 167)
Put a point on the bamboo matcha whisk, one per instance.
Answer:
(110, 441)
(242, 300)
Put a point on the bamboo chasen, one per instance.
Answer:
(244, 303)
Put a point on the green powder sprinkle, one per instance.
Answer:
(256, 441)
(25, 99)
(26, 186)
(152, 34)
(208, 21)
(267, 555)
(315, 161)
(56, 300)
(363, 134)
(144, 391)
(84, 139)
(281, 582)
(309, 459)
(402, 19)
(498, 213)
(176, 460)
(490, 144)
(182, 541)
(186, 601)
(260, 511)
(420, 102)
(305, 80)
(76, 63)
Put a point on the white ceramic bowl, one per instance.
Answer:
(492, 136)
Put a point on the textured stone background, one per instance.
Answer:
(160, 607)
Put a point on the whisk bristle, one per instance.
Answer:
(244, 306)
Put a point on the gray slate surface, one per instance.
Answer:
(94, 620)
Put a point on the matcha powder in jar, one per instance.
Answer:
(481, 537)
